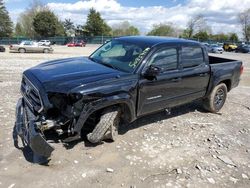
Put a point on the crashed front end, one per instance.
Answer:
(38, 114)
(28, 126)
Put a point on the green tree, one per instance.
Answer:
(124, 29)
(162, 30)
(220, 37)
(6, 25)
(46, 24)
(201, 36)
(233, 37)
(185, 34)
(95, 25)
(19, 31)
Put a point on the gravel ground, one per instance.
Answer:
(189, 148)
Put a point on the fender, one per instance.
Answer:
(216, 78)
(89, 108)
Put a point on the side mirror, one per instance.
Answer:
(152, 71)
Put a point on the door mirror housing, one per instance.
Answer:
(152, 71)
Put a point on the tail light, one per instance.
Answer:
(11, 46)
(241, 69)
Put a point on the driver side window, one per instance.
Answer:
(165, 58)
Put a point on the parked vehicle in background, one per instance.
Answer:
(207, 46)
(125, 79)
(229, 46)
(215, 48)
(30, 46)
(44, 43)
(77, 44)
(2, 49)
(244, 48)
(220, 44)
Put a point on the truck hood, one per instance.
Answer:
(64, 75)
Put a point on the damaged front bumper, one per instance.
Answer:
(26, 127)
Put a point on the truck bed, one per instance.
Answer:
(225, 69)
(216, 60)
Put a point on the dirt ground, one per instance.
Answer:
(189, 148)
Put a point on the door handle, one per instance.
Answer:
(176, 79)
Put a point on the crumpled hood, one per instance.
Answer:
(65, 74)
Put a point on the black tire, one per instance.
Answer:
(215, 101)
(46, 51)
(107, 126)
(21, 50)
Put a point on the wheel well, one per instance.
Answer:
(228, 84)
(94, 117)
(126, 114)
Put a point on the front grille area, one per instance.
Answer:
(31, 95)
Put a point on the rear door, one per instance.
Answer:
(28, 46)
(195, 72)
(165, 89)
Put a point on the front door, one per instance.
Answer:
(164, 90)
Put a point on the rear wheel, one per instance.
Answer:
(107, 128)
(215, 101)
(22, 50)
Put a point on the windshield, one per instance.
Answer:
(120, 55)
(246, 46)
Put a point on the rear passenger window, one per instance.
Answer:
(191, 56)
(166, 59)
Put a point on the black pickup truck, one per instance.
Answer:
(124, 79)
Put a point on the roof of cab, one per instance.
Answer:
(155, 40)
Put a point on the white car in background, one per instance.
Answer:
(44, 43)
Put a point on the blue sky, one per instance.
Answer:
(22, 4)
(221, 15)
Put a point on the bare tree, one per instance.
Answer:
(196, 24)
(124, 29)
(244, 18)
(26, 18)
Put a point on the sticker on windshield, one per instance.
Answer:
(139, 58)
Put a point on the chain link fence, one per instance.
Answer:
(58, 40)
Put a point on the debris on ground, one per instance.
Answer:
(110, 170)
(211, 180)
(226, 160)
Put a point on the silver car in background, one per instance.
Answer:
(30, 46)
(215, 48)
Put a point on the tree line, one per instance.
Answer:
(40, 21)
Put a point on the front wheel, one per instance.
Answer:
(107, 128)
(215, 101)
